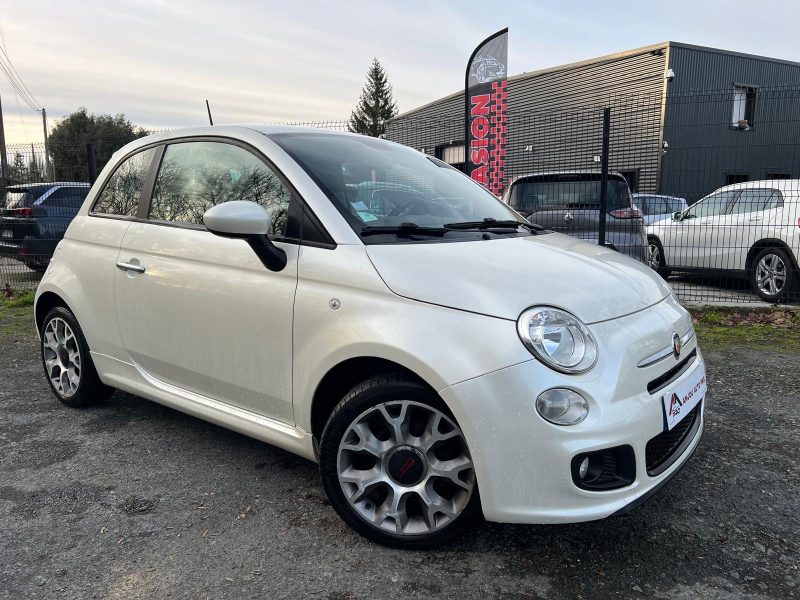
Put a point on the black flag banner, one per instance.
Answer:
(485, 112)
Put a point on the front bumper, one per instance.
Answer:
(523, 463)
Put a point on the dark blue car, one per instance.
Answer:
(34, 217)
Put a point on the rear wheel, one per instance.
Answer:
(655, 257)
(67, 363)
(772, 276)
(395, 465)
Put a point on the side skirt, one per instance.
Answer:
(135, 380)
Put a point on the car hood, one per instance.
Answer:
(503, 277)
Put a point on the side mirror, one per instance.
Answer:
(242, 219)
(676, 216)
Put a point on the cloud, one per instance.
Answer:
(157, 61)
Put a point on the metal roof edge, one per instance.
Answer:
(732, 53)
(565, 67)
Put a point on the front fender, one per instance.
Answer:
(443, 346)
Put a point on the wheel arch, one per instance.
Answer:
(345, 375)
(765, 243)
(46, 302)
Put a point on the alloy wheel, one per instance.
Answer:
(771, 274)
(405, 468)
(653, 256)
(62, 357)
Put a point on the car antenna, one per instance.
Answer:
(208, 108)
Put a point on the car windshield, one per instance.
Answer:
(560, 192)
(379, 185)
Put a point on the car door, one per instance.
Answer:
(694, 239)
(201, 312)
(746, 222)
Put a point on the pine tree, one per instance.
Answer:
(376, 104)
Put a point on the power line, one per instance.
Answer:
(19, 86)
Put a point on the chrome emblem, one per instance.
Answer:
(677, 345)
(568, 218)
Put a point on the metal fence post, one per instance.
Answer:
(601, 234)
(91, 161)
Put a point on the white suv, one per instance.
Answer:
(371, 308)
(748, 229)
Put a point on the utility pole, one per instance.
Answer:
(47, 174)
(3, 157)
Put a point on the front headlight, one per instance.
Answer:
(558, 339)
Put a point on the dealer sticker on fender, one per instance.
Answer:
(684, 397)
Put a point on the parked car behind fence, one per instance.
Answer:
(569, 202)
(656, 207)
(745, 229)
(34, 217)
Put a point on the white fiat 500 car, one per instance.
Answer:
(368, 307)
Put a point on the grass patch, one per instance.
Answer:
(18, 300)
(776, 328)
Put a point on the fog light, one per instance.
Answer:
(562, 406)
(606, 469)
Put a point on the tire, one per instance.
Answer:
(772, 275)
(419, 451)
(67, 363)
(655, 257)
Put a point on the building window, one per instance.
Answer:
(779, 175)
(744, 106)
(452, 154)
(731, 178)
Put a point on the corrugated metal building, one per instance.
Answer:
(724, 117)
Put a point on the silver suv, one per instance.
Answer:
(569, 202)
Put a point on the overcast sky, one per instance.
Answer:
(156, 60)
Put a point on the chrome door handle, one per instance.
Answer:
(130, 267)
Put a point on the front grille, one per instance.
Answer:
(662, 381)
(667, 446)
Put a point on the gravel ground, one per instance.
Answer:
(133, 500)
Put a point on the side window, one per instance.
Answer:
(712, 206)
(121, 194)
(755, 200)
(67, 197)
(194, 176)
(650, 205)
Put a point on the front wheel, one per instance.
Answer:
(772, 276)
(396, 466)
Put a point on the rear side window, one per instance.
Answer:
(649, 205)
(756, 200)
(67, 197)
(194, 176)
(122, 191)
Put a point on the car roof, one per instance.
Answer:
(226, 131)
(784, 185)
(643, 194)
(612, 174)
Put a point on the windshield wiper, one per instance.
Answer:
(404, 229)
(490, 223)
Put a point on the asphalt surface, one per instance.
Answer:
(133, 500)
